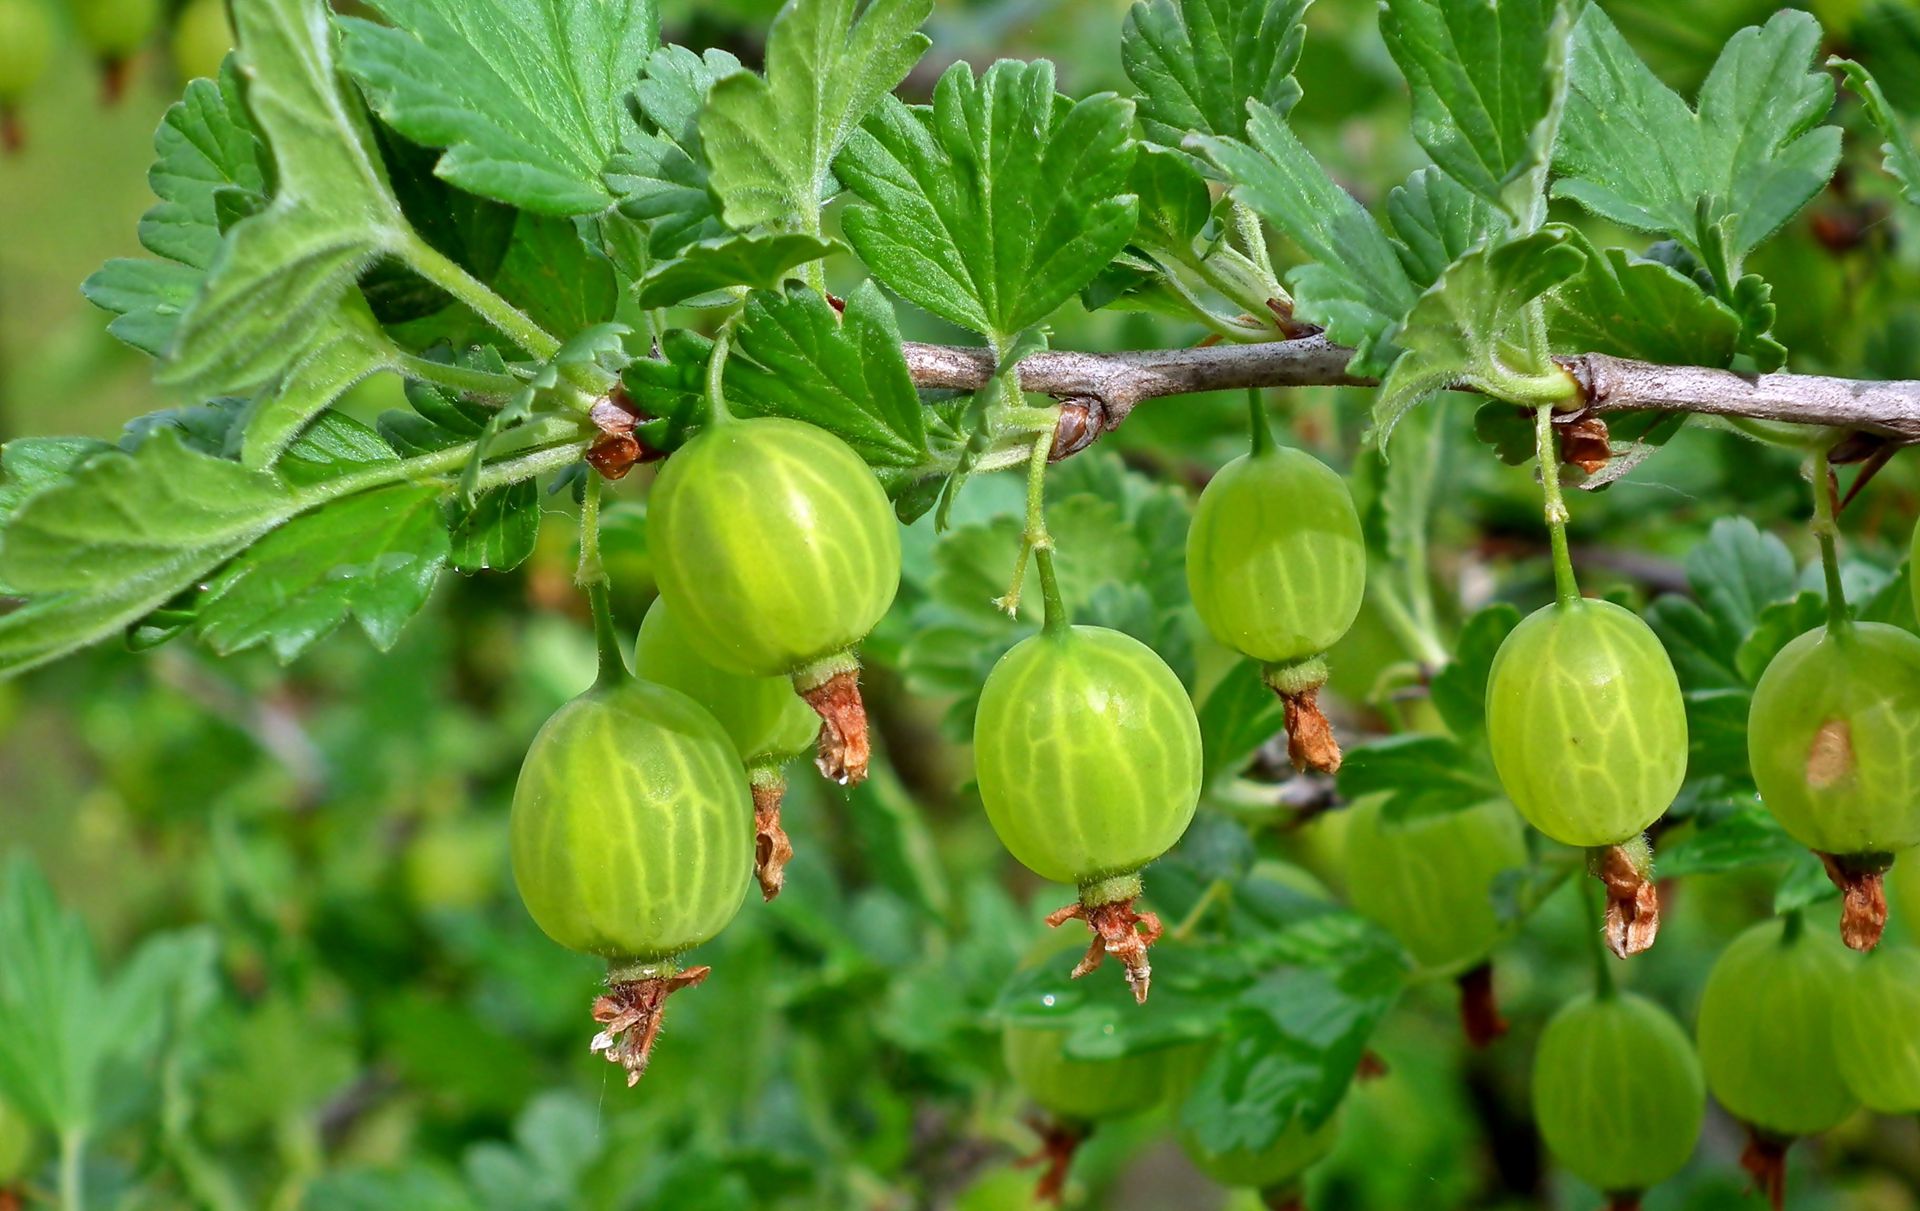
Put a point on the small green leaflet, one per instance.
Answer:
(373, 556)
(1174, 202)
(205, 145)
(1436, 221)
(1488, 79)
(998, 203)
(1459, 689)
(711, 267)
(1902, 156)
(1631, 150)
(770, 142)
(794, 357)
(527, 96)
(279, 273)
(1239, 714)
(156, 516)
(1198, 62)
(1643, 309)
(1358, 289)
(499, 531)
(660, 172)
(1469, 328)
(1419, 774)
(67, 1029)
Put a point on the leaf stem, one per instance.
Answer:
(1827, 530)
(433, 265)
(1566, 588)
(1217, 891)
(463, 379)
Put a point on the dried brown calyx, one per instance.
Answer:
(1059, 1141)
(832, 689)
(1284, 1198)
(1480, 1018)
(632, 1009)
(1310, 741)
(1107, 908)
(13, 132)
(115, 72)
(1765, 1159)
(1624, 1200)
(1371, 1067)
(616, 451)
(1585, 443)
(1861, 879)
(1633, 898)
(771, 848)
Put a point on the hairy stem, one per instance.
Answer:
(1566, 588)
(458, 378)
(73, 1150)
(513, 323)
(1827, 531)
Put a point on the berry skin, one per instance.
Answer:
(631, 839)
(774, 545)
(1618, 1092)
(1276, 562)
(26, 46)
(766, 720)
(1588, 729)
(1087, 752)
(1876, 1031)
(763, 717)
(777, 551)
(1766, 1029)
(1084, 1091)
(1428, 879)
(1276, 1167)
(1834, 739)
(1277, 567)
(114, 29)
(1905, 881)
(201, 39)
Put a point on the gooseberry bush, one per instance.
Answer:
(972, 436)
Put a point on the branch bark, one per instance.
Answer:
(1100, 389)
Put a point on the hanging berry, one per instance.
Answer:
(1277, 566)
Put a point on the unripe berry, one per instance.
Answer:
(1087, 751)
(1876, 1031)
(1617, 1092)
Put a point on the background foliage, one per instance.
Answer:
(266, 911)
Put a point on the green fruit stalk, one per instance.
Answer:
(1429, 880)
(1766, 1035)
(1876, 1031)
(765, 719)
(777, 551)
(1589, 736)
(1088, 758)
(1277, 567)
(630, 841)
(1618, 1093)
(1832, 740)
(26, 48)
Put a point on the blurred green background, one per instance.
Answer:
(363, 1015)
